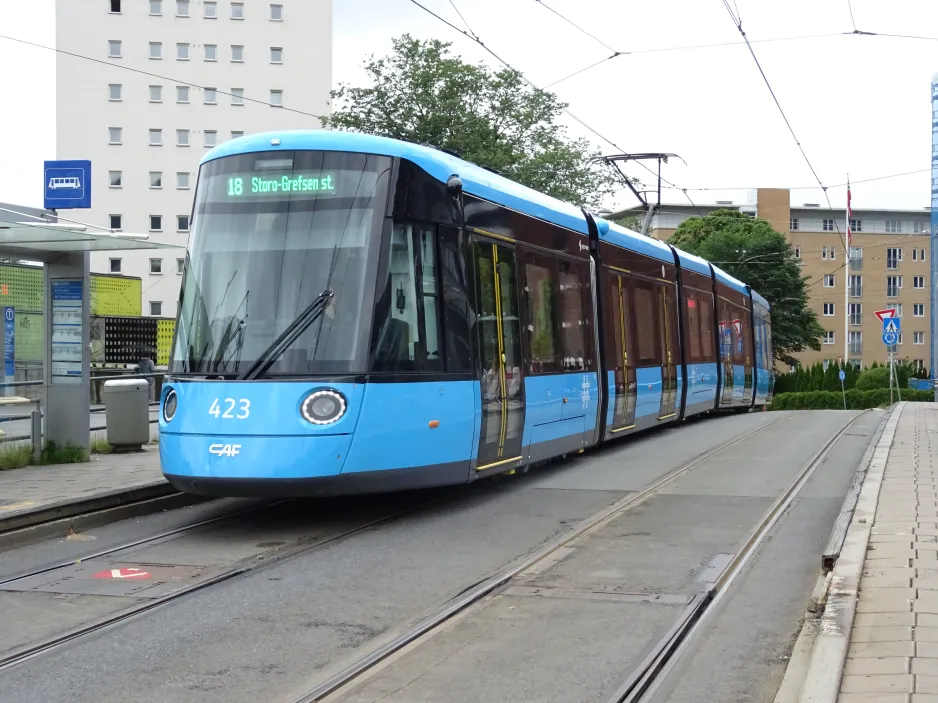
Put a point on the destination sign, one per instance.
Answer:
(279, 185)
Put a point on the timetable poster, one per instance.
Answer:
(66, 331)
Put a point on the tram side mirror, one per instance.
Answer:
(454, 186)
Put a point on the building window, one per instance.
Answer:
(156, 179)
(182, 180)
(114, 49)
(156, 225)
(180, 266)
(115, 266)
(856, 314)
(211, 137)
(829, 309)
(182, 52)
(114, 135)
(156, 137)
(898, 308)
(855, 341)
(823, 252)
(210, 96)
(798, 251)
(182, 137)
(829, 280)
(276, 54)
(237, 10)
(156, 308)
(211, 52)
(276, 98)
(918, 309)
(237, 53)
(276, 13)
(115, 179)
(182, 223)
(237, 96)
(115, 7)
(182, 93)
(918, 281)
(915, 255)
(156, 93)
(114, 92)
(182, 8)
(918, 338)
(156, 50)
(828, 225)
(920, 227)
(893, 285)
(793, 224)
(893, 257)
(893, 226)
(856, 225)
(921, 255)
(828, 337)
(856, 286)
(115, 221)
(236, 133)
(156, 7)
(210, 10)
(856, 259)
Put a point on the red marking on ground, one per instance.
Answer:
(130, 573)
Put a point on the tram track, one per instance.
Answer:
(16, 656)
(473, 595)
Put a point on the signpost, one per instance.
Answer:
(843, 375)
(892, 328)
(67, 185)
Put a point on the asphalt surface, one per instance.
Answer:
(273, 633)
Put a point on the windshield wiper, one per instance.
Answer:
(292, 332)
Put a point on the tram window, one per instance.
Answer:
(406, 332)
(573, 317)
(693, 327)
(540, 280)
(456, 309)
(706, 326)
(647, 319)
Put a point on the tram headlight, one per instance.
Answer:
(169, 405)
(323, 407)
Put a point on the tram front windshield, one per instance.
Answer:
(271, 232)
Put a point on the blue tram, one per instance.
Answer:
(360, 314)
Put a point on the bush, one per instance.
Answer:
(873, 378)
(856, 399)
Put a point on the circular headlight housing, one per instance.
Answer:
(323, 407)
(169, 405)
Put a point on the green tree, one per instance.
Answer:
(422, 94)
(632, 222)
(753, 252)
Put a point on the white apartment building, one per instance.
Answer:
(170, 80)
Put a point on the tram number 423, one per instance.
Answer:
(243, 406)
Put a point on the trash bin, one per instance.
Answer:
(127, 409)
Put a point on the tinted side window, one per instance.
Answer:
(540, 278)
(693, 327)
(646, 323)
(706, 325)
(456, 309)
(573, 316)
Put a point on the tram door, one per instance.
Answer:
(726, 353)
(623, 417)
(668, 346)
(499, 329)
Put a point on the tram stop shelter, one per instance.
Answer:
(64, 249)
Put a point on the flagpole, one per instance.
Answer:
(847, 280)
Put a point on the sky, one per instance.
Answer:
(859, 105)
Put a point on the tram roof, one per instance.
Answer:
(760, 300)
(634, 241)
(692, 262)
(727, 280)
(476, 180)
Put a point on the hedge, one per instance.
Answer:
(856, 400)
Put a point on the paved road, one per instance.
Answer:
(274, 632)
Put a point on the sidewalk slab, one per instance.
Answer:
(38, 494)
(878, 637)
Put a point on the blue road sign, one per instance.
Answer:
(892, 325)
(67, 185)
(890, 339)
(9, 345)
(842, 375)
